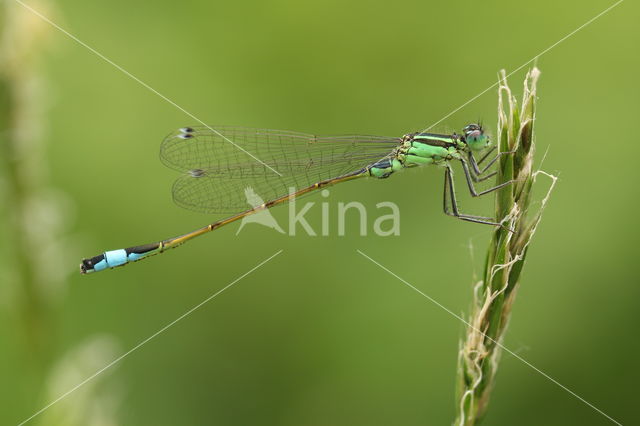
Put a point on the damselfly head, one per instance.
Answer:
(475, 138)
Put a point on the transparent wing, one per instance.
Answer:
(231, 169)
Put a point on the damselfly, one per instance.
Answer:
(218, 166)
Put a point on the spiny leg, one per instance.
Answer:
(475, 165)
(485, 156)
(475, 169)
(478, 179)
(469, 178)
(493, 160)
(449, 189)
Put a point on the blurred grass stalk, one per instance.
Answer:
(32, 270)
(494, 295)
(22, 179)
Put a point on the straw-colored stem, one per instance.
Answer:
(494, 295)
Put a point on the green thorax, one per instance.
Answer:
(418, 149)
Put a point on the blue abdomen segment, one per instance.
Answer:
(120, 257)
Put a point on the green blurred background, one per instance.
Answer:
(319, 335)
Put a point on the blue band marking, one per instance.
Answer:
(116, 258)
(100, 266)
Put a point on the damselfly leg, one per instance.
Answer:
(472, 174)
(450, 193)
(472, 189)
(477, 172)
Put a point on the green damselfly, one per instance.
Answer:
(216, 171)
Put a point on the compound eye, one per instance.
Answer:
(473, 134)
